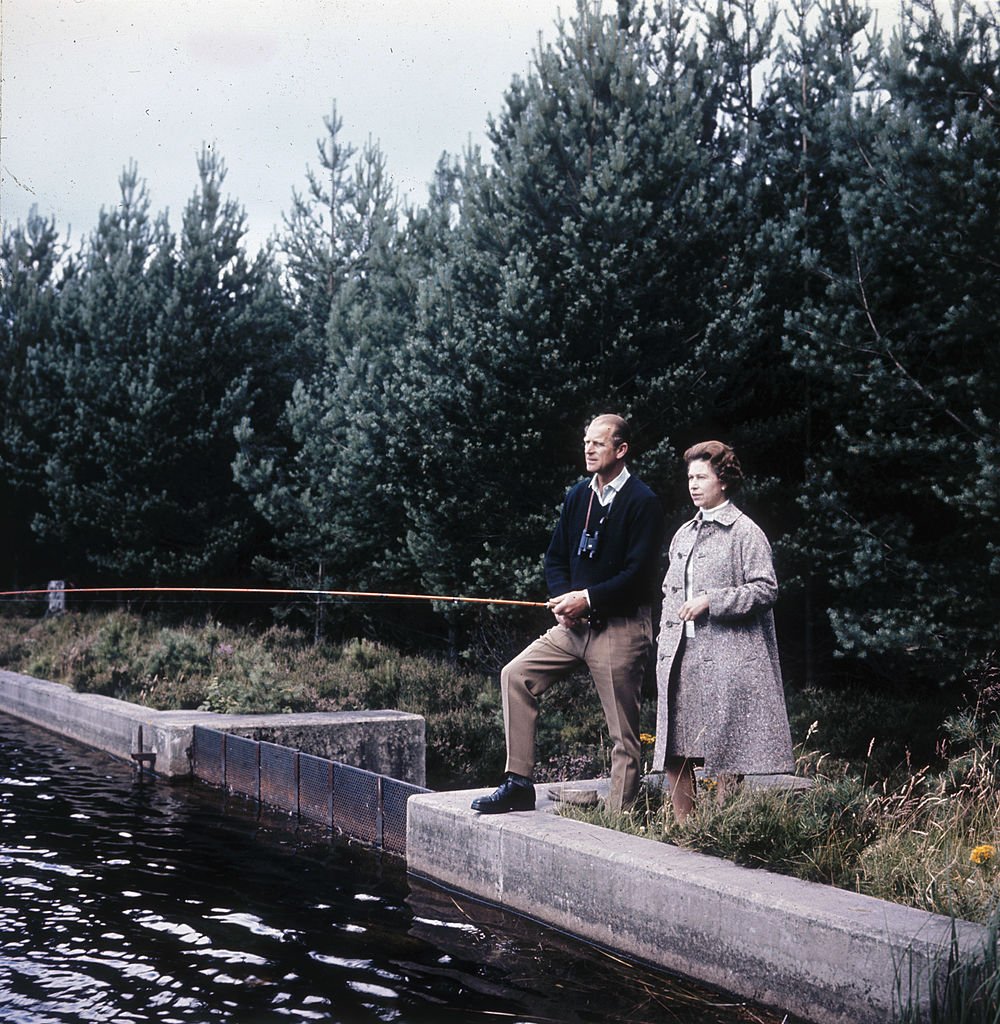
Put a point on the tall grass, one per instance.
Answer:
(966, 990)
(927, 838)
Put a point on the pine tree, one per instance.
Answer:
(793, 173)
(315, 242)
(579, 278)
(169, 344)
(33, 272)
(323, 486)
(901, 493)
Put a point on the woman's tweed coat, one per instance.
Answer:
(737, 704)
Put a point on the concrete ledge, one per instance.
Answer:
(387, 742)
(823, 954)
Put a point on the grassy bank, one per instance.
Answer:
(211, 667)
(927, 837)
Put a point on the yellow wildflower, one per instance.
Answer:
(981, 854)
(647, 737)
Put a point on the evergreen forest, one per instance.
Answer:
(778, 227)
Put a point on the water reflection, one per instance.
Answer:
(135, 900)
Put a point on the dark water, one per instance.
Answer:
(134, 900)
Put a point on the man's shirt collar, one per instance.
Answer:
(606, 494)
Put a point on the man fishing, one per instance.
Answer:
(602, 568)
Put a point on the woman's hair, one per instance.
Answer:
(722, 459)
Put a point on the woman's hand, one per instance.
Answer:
(690, 610)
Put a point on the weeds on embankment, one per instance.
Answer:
(212, 667)
(926, 838)
(965, 991)
(152, 660)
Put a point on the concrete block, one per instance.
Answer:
(89, 718)
(823, 954)
(386, 742)
(448, 845)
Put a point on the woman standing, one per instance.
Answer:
(721, 701)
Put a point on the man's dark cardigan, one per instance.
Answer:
(626, 571)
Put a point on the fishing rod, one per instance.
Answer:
(275, 591)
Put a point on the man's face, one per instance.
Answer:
(600, 453)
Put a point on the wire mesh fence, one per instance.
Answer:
(362, 804)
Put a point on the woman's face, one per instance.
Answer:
(704, 486)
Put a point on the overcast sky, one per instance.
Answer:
(90, 84)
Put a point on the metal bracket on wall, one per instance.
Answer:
(143, 758)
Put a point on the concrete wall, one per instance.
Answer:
(820, 953)
(387, 742)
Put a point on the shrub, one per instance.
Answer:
(884, 731)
